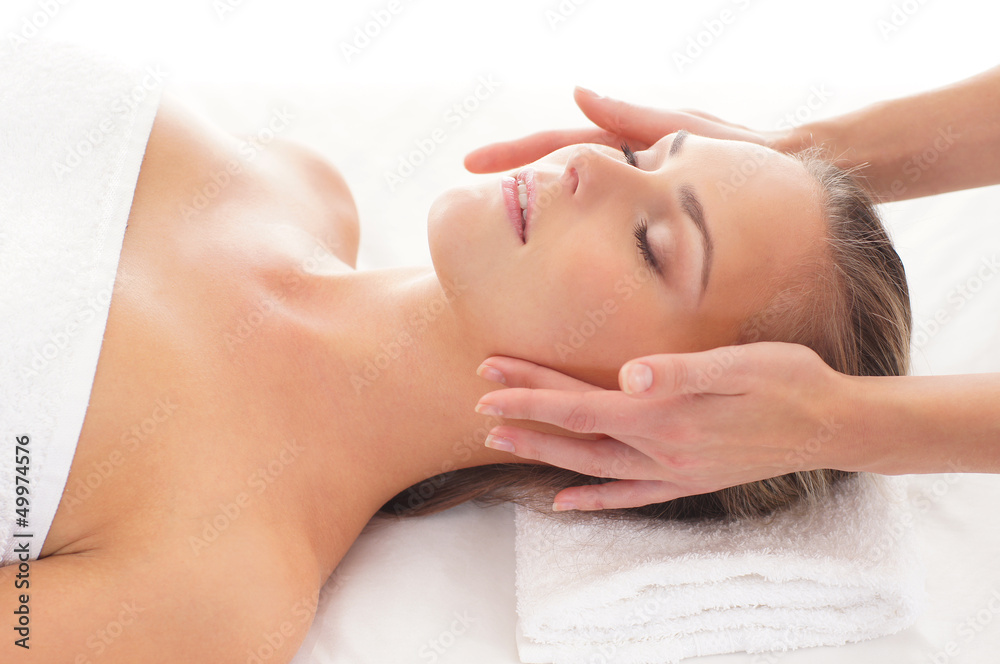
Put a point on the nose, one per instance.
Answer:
(590, 169)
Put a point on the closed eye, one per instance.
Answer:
(641, 230)
(641, 235)
(629, 155)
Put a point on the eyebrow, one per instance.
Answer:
(693, 208)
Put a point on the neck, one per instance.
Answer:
(393, 390)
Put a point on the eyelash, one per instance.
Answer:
(641, 229)
(642, 242)
(629, 155)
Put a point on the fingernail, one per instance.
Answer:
(486, 409)
(562, 507)
(589, 91)
(638, 378)
(500, 443)
(489, 373)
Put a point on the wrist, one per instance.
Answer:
(864, 443)
(860, 141)
(833, 135)
(891, 428)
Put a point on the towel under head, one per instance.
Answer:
(842, 570)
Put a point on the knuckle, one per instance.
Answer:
(685, 463)
(608, 138)
(621, 119)
(601, 467)
(632, 496)
(580, 419)
(621, 465)
(593, 468)
(679, 375)
(679, 462)
(596, 500)
(746, 368)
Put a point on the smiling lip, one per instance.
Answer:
(509, 186)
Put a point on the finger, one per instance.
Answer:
(604, 457)
(600, 411)
(719, 121)
(742, 132)
(716, 371)
(621, 494)
(642, 123)
(631, 121)
(515, 372)
(506, 155)
(702, 114)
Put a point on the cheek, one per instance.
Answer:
(580, 280)
(599, 314)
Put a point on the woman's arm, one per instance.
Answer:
(705, 421)
(929, 143)
(123, 609)
(83, 608)
(926, 424)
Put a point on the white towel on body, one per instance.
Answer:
(840, 571)
(73, 131)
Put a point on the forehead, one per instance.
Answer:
(763, 210)
(732, 168)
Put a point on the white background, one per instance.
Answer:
(752, 62)
(603, 44)
(235, 64)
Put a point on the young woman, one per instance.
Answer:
(297, 397)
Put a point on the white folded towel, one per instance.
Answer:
(845, 569)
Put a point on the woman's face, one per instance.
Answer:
(726, 223)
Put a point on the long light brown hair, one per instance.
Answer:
(852, 308)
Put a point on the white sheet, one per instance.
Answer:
(441, 588)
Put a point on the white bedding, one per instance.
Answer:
(441, 588)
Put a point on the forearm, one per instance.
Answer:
(929, 143)
(923, 424)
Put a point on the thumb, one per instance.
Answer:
(716, 371)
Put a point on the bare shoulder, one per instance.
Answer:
(97, 606)
(191, 159)
(324, 181)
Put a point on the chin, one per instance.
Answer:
(462, 245)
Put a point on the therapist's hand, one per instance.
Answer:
(706, 421)
(616, 121)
